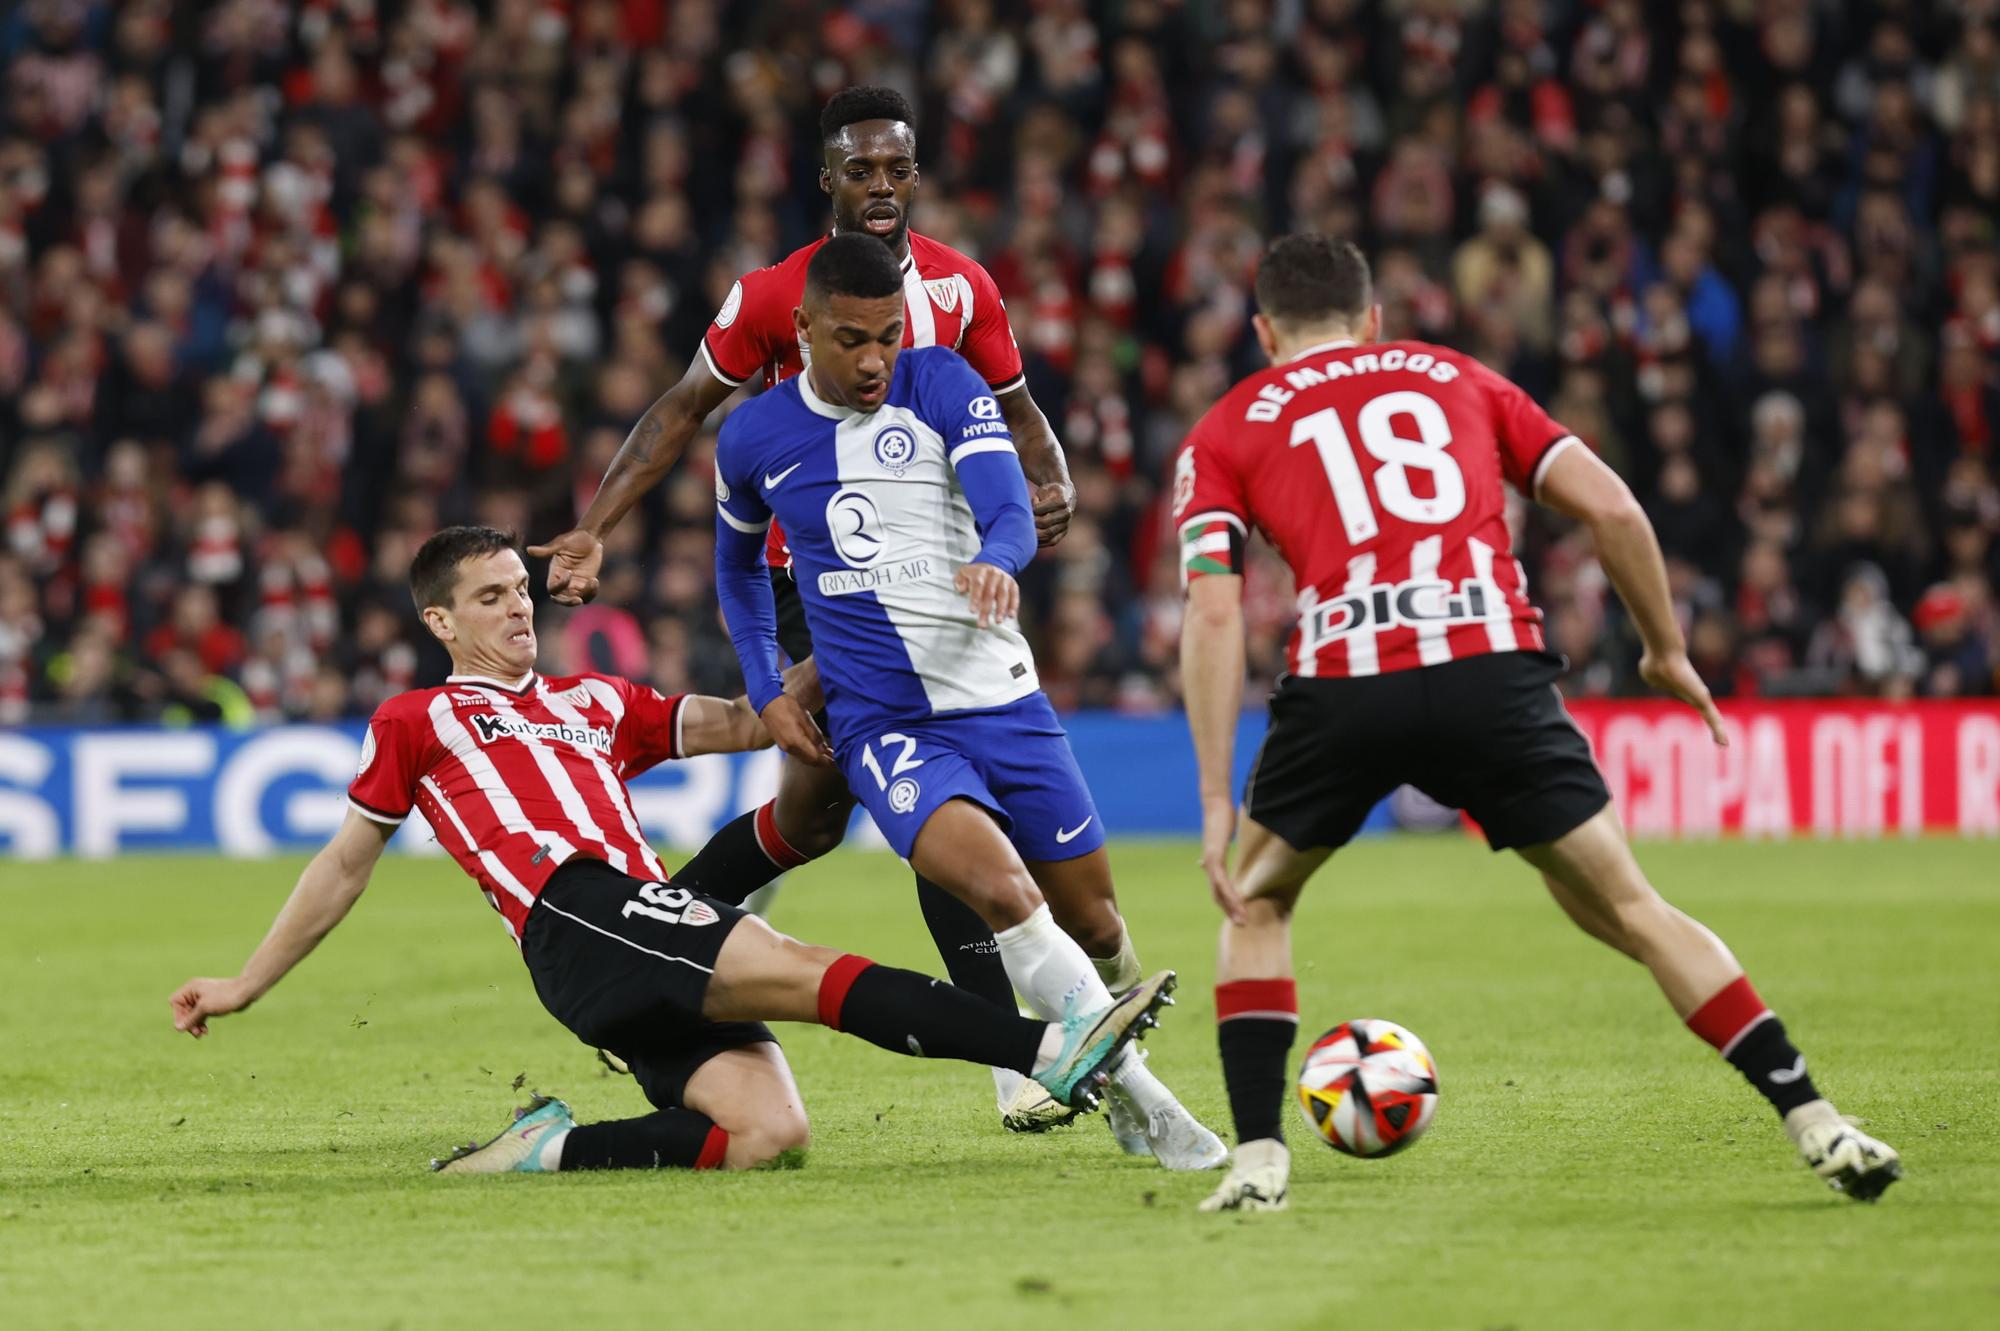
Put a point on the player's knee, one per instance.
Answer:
(778, 1136)
(815, 831)
(1097, 929)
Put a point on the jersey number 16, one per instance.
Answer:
(1398, 455)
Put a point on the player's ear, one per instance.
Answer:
(802, 324)
(825, 181)
(1371, 327)
(438, 621)
(1267, 337)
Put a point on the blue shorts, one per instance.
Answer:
(1012, 760)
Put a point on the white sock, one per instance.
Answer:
(1007, 1082)
(548, 1152)
(1048, 969)
(1149, 1094)
(1120, 972)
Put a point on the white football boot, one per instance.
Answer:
(531, 1144)
(1033, 1109)
(1257, 1179)
(1170, 1134)
(1849, 1160)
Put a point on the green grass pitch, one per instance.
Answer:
(1592, 1165)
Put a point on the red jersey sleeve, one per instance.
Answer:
(649, 728)
(738, 345)
(1211, 504)
(1529, 439)
(988, 344)
(394, 757)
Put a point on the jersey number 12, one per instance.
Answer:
(1398, 455)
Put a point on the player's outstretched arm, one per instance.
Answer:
(731, 725)
(1578, 485)
(649, 452)
(326, 891)
(1042, 461)
(1212, 688)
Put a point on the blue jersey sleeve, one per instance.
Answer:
(960, 406)
(742, 583)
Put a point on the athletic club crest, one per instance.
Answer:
(895, 449)
(944, 293)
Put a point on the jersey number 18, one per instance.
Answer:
(1398, 455)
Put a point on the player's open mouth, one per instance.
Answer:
(522, 638)
(871, 392)
(881, 220)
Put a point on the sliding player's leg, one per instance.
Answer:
(1144, 1116)
(761, 975)
(807, 818)
(972, 960)
(1601, 885)
(1257, 1015)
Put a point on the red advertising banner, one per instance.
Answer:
(1829, 769)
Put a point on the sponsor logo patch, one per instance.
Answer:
(491, 727)
(730, 307)
(848, 582)
(984, 408)
(903, 794)
(944, 293)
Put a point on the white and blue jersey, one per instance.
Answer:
(881, 509)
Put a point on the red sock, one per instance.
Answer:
(713, 1148)
(833, 987)
(772, 842)
(1728, 1016)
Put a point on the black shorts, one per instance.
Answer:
(625, 964)
(793, 635)
(1487, 734)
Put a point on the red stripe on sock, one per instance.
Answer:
(772, 842)
(833, 987)
(1257, 998)
(1723, 1019)
(713, 1148)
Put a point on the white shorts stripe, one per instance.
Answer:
(563, 786)
(663, 956)
(1499, 616)
(1308, 662)
(499, 873)
(1362, 658)
(1433, 642)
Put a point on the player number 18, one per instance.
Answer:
(1397, 454)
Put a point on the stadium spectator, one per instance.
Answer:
(285, 288)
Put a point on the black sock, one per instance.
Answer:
(1256, 1023)
(663, 1139)
(964, 941)
(742, 857)
(908, 1013)
(1770, 1062)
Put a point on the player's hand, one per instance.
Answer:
(199, 999)
(796, 732)
(574, 558)
(802, 682)
(995, 596)
(1053, 505)
(1218, 829)
(1674, 675)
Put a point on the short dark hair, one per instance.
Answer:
(853, 264)
(434, 572)
(1307, 278)
(851, 106)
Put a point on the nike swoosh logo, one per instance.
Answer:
(773, 482)
(1784, 1078)
(1064, 838)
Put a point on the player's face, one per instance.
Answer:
(489, 627)
(871, 172)
(855, 341)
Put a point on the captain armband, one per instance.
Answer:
(1211, 543)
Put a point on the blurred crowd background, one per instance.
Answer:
(284, 287)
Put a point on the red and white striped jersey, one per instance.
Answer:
(948, 301)
(516, 779)
(1377, 473)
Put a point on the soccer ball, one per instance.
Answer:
(1368, 1087)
